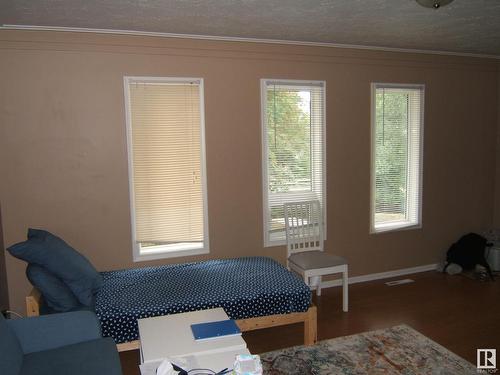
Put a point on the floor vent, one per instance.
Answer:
(399, 282)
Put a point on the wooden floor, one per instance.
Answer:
(459, 313)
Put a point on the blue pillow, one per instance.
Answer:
(56, 294)
(64, 262)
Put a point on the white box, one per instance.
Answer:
(171, 336)
(493, 258)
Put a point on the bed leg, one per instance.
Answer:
(310, 327)
(33, 301)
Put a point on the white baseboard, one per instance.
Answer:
(380, 275)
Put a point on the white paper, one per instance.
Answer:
(149, 368)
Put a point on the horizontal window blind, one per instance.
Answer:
(167, 168)
(293, 128)
(396, 178)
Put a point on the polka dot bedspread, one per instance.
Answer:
(244, 287)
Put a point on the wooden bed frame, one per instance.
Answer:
(308, 318)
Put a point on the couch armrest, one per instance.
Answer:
(52, 331)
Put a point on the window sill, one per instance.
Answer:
(168, 251)
(393, 227)
(273, 243)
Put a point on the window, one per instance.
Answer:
(396, 172)
(293, 127)
(166, 152)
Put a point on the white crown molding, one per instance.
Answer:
(240, 39)
(380, 275)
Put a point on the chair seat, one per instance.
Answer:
(311, 260)
(89, 357)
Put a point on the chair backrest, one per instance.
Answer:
(303, 226)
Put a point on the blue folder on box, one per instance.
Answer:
(213, 330)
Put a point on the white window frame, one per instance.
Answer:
(290, 197)
(403, 224)
(178, 249)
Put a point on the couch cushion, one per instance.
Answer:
(90, 357)
(56, 294)
(11, 354)
(52, 253)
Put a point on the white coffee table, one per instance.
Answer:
(170, 336)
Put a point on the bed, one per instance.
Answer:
(257, 292)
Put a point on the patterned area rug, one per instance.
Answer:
(396, 350)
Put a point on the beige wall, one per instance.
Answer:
(496, 218)
(4, 292)
(63, 163)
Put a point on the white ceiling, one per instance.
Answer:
(464, 26)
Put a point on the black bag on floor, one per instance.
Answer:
(468, 252)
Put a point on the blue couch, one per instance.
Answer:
(66, 343)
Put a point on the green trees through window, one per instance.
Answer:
(391, 159)
(396, 156)
(289, 140)
(293, 153)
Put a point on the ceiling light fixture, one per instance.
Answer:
(434, 3)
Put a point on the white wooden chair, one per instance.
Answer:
(305, 255)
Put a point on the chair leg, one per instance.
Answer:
(345, 291)
(318, 287)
